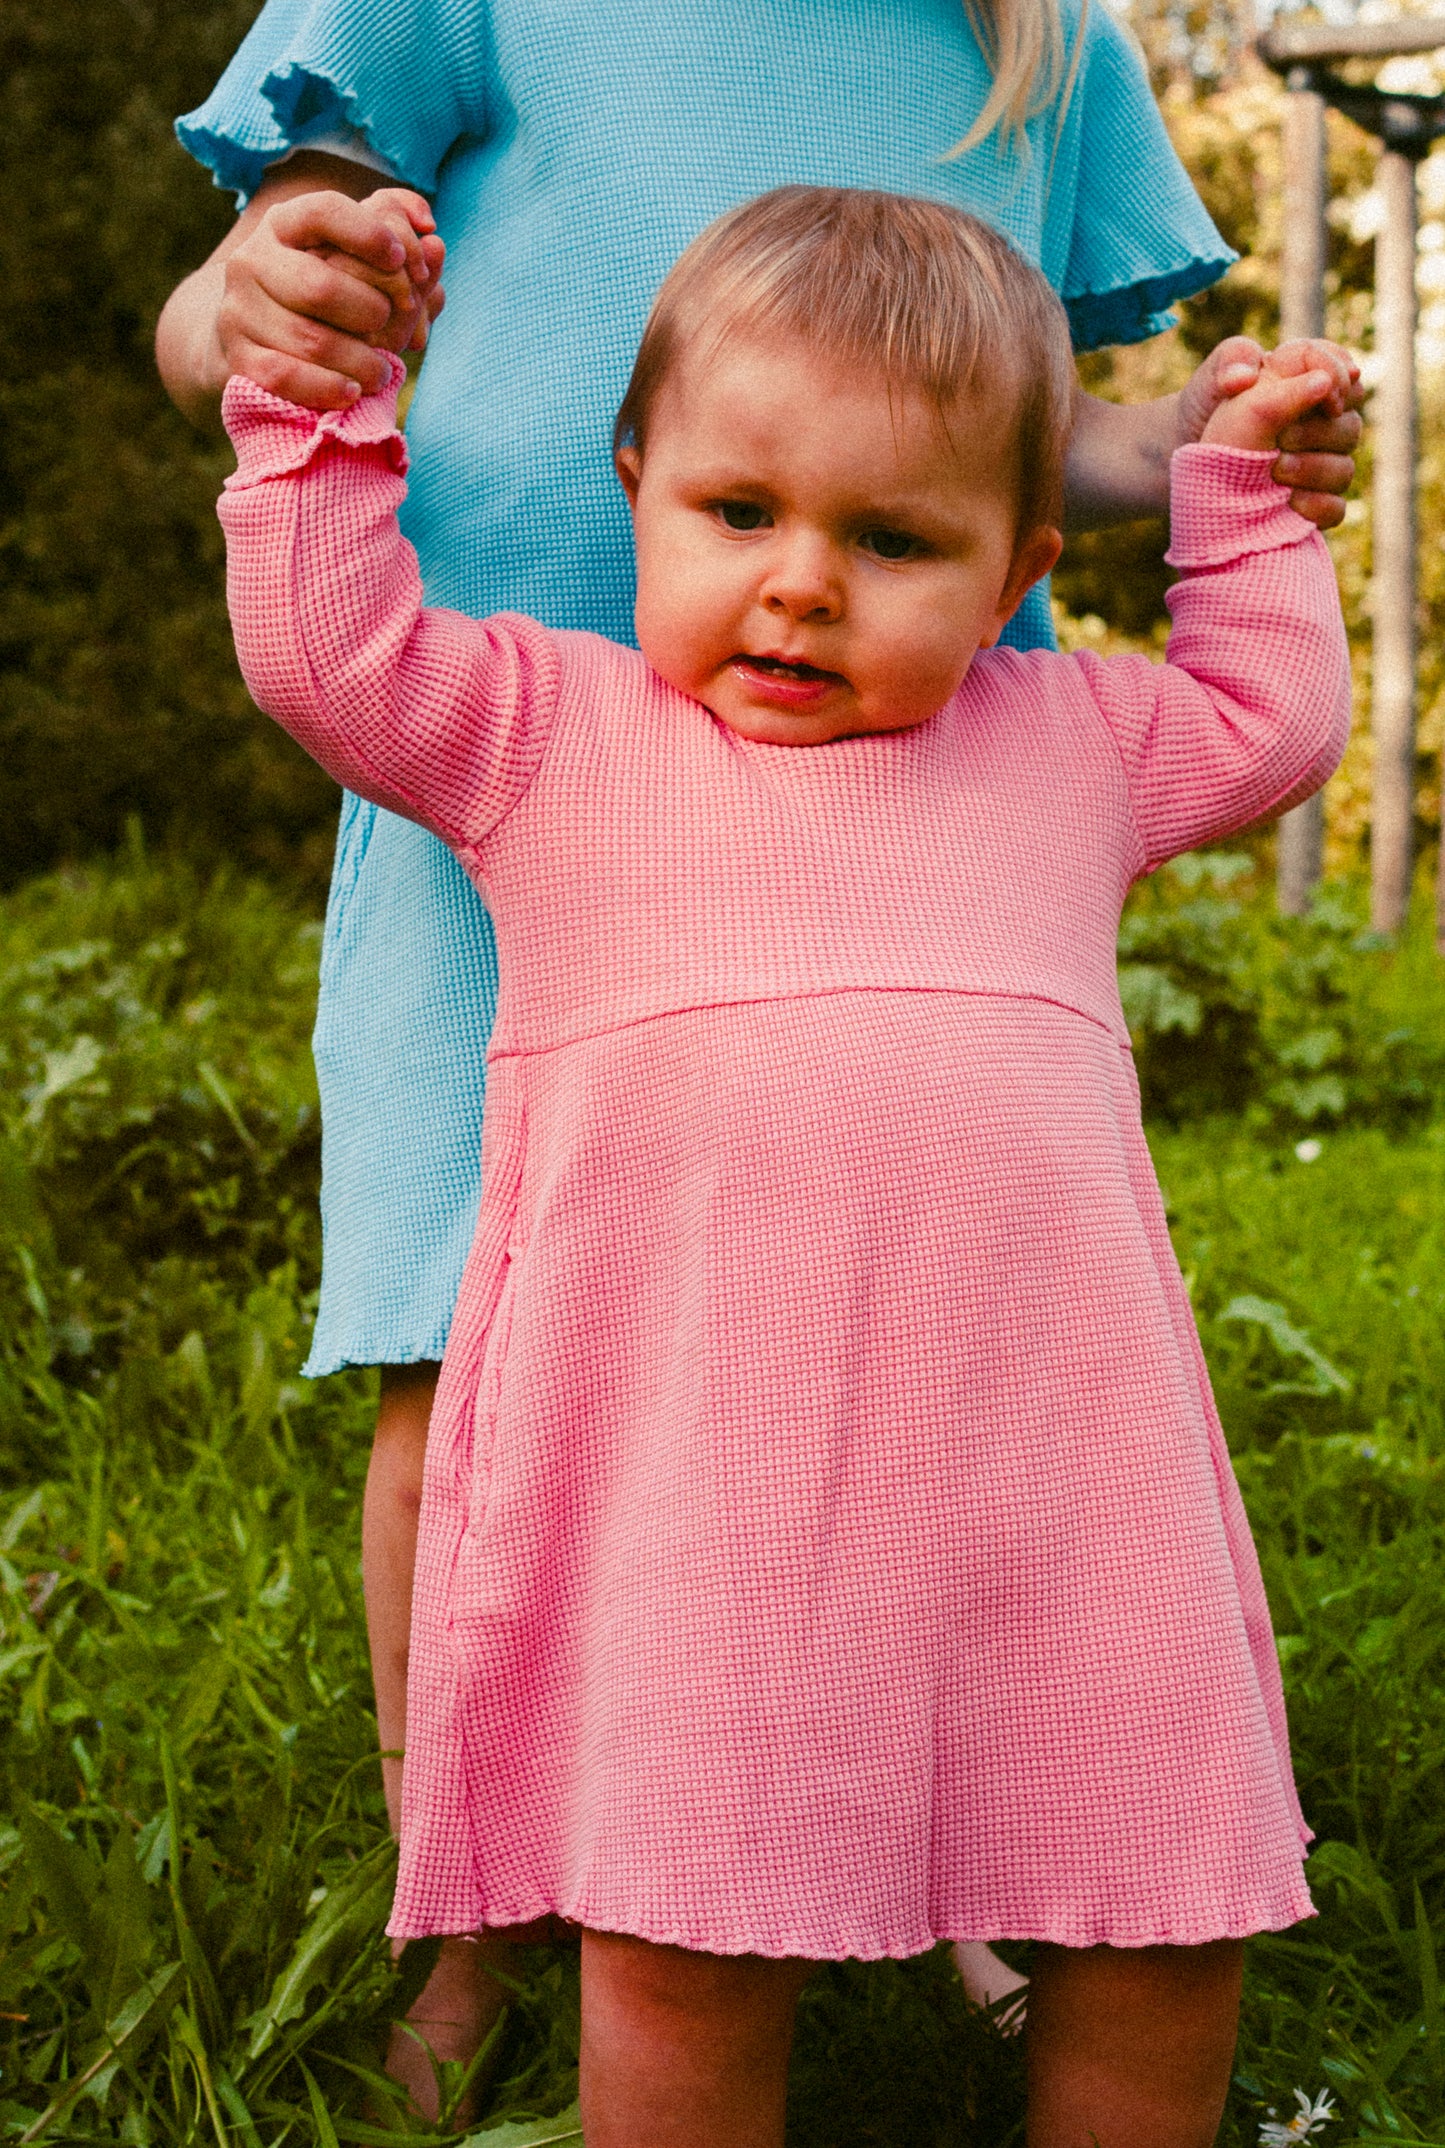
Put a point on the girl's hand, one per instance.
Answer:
(323, 286)
(1316, 449)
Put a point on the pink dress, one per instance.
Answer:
(829, 1544)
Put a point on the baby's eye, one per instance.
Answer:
(742, 514)
(889, 544)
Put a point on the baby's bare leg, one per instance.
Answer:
(1131, 2047)
(684, 2050)
(460, 2001)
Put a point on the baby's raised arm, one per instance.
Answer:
(1250, 712)
(436, 716)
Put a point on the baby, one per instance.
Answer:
(829, 1545)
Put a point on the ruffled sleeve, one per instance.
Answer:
(1141, 237)
(409, 76)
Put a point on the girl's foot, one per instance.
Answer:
(987, 1979)
(449, 2020)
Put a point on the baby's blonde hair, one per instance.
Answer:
(924, 296)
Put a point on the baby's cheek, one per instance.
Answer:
(667, 634)
(932, 664)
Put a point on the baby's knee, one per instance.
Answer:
(644, 1977)
(1163, 1999)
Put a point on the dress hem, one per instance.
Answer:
(1077, 1935)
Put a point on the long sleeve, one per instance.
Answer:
(436, 716)
(1250, 712)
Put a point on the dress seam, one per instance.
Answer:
(763, 999)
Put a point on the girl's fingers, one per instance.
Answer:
(1235, 361)
(404, 302)
(1325, 509)
(279, 349)
(1316, 474)
(331, 292)
(432, 304)
(381, 230)
(1324, 435)
(1276, 399)
(1314, 355)
(408, 203)
(421, 334)
(314, 387)
(434, 256)
(1229, 369)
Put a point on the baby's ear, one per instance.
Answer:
(628, 464)
(1035, 555)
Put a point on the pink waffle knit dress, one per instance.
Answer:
(828, 1544)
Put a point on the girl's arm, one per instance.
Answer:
(436, 716)
(1118, 467)
(1251, 709)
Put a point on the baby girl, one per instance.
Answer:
(829, 1545)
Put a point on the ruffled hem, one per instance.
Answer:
(305, 102)
(350, 1356)
(1259, 518)
(1132, 312)
(1063, 1930)
(273, 438)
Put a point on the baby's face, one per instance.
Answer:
(814, 561)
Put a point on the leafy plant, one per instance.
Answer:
(1293, 1022)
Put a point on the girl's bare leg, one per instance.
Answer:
(684, 2050)
(1131, 2047)
(460, 2001)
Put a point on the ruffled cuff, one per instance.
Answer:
(1132, 312)
(1224, 504)
(274, 438)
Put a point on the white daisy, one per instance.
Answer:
(1284, 2133)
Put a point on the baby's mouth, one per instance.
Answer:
(775, 667)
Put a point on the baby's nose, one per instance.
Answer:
(803, 580)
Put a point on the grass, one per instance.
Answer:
(192, 1842)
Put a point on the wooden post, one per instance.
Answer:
(1299, 854)
(1393, 572)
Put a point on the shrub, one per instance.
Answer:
(1291, 1022)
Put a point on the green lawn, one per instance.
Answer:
(192, 1845)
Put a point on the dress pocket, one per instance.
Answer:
(488, 1398)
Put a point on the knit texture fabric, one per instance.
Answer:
(828, 1541)
(574, 150)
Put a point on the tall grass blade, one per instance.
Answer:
(140, 2010)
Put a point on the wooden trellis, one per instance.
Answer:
(1405, 127)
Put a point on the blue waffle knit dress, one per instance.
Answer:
(572, 151)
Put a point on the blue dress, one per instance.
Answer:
(572, 151)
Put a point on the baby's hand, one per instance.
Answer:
(323, 287)
(1316, 448)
